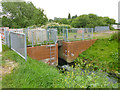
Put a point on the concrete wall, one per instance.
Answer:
(0, 43)
(42, 53)
(69, 51)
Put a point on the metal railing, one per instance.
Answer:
(77, 34)
(18, 44)
(35, 37)
(52, 35)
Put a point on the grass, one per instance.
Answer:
(0, 71)
(35, 74)
(30, 74)
(103, 54)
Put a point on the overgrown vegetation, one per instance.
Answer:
(36, 74)
(102, 55)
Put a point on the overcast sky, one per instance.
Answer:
(61, 8)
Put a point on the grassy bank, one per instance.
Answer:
(103, 54)
(35, 74)
(30, 74)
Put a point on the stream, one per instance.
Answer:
(67, 66)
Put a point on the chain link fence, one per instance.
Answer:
(18, 44)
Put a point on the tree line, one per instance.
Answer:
(22, 14)
(86, 21)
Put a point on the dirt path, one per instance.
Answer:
(6, 68)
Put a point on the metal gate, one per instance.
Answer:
(18, 44)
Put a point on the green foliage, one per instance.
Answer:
(74, 16)
(36, 74)
(77, 78)
(115, 36)
(102, 55)
(63, 21)
(30, 74)
(22, 14)
(90, 21)
(69, 16)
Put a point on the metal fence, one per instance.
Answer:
(18, 44)
(7, 38)
(101, 28)
(52, 35)
(77, 34)
(35, 37)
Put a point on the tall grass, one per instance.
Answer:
(103, 54)
(30, 74)
(36, 74)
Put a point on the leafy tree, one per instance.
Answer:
(90, 21)
(69, 16)
(22, 14)
(63, 21)
(80, 21)
(74, 16)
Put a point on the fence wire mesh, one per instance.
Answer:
(101, 28)
(18, 44)
(35, 37)
(77, 34)
(7, 38)
(52, 35)
(88, 33)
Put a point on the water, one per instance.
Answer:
(67, 66)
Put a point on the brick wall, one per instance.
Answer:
(70, 50)
(42, 53)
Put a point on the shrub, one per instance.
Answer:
(114, 36)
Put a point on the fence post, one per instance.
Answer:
(25, 48)
(11, 39)
(8, 38)
(63, 35)
(66, 33)
(32, 38)
(83, 34)
(92, 33)
(0, 43)
(5, 35)
(48, 31)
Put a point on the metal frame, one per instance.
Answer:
(25, 57)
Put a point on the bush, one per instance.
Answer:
(114, 36)
(78, 78)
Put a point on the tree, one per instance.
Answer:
(74, 16)
(22, 14)
(69, 16)
(91, 20)
(80, 21)
(63, 21)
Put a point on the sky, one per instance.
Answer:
(61, 8)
